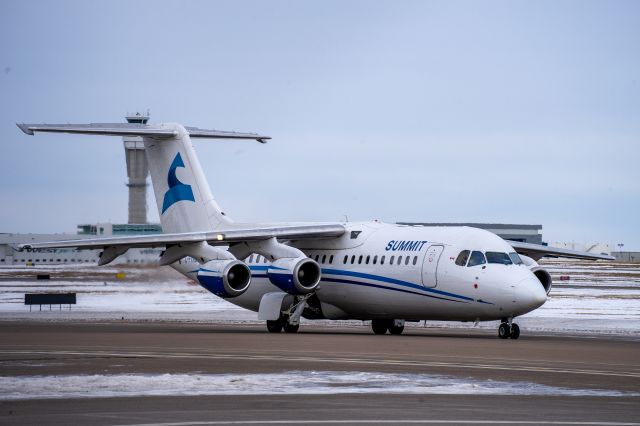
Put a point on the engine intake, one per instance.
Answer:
(295, 275)
(544, 277)
(541, 274)
(225, 278)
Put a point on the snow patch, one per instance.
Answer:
(290, 383)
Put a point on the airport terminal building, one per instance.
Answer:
(9, 255)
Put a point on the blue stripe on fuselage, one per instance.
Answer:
(394, 281)
(384, 279)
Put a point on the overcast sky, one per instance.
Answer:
(517, 112)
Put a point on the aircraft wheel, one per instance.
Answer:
(393, 329)
(515, 331)
(290, 328)
(274, 326)
(503, 331)
(379, 326)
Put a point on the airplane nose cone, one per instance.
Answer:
(531, 294)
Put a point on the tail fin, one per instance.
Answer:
(183, 196)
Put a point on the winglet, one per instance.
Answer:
(25, 128)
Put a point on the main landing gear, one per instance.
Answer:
(280, 324)
(508, 329)
(289, 319)
(382, 325)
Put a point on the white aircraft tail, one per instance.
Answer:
(184, 199)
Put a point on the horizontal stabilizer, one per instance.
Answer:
(136, 129)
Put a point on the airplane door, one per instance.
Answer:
(430, 265)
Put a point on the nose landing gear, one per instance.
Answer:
(381, 326)
(508, 329)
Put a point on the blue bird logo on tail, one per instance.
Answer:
(177, 191)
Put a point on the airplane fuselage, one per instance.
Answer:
(378, 270)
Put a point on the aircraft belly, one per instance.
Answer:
(365, 302)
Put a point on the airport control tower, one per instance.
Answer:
(137, 171)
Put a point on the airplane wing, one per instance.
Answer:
(537, 251)
(220, 237)
(136, 129)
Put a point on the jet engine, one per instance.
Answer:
(541, 274)
(296, 276)
(225, 278)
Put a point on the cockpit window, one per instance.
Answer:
(515, 258)
(497, 257)
(477, 258)
(462, 258)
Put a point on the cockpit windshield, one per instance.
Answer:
(515, 258)
(497, 257)
(461, 260)
(477, 258)
(473, 258)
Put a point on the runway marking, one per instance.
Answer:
(360, 361)
(378, 421)
(274, 352)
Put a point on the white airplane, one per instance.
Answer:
(374, 271)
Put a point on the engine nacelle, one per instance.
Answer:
(541, 274)
(225, 278)
(296, 276)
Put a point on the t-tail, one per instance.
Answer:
(184, 199)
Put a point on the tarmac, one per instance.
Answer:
(77, 348)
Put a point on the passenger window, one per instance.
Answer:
(317, 257)
(462, 258)
(515, 258)
(324, 258)
(360, 260)
(353, 259)
(367, 259)
(251, 259)
(382, 260)
(375, 259)
(330, 259)
(346, 257)
(477, 258)
(391, 260)
(497, 257)
(406, 261)
(415, 260)
(399, 260)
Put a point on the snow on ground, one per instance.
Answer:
(291, 383)
(599, 297)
